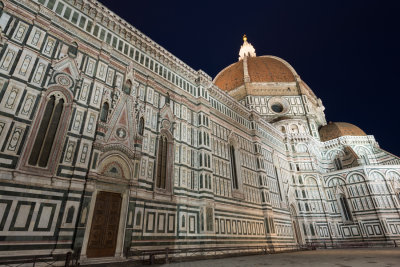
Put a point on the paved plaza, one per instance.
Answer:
(317, 258)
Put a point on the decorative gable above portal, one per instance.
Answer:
(120, 133)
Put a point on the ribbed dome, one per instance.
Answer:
(262, 69)
(337, 129)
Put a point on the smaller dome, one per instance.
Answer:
(337, 129)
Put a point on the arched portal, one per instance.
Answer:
(108, 213)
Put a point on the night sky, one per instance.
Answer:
(346, 51)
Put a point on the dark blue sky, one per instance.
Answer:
(346, 51)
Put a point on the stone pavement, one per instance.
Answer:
(385, 257)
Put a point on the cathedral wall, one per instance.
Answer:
(101, 128)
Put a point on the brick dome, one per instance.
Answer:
(337, 129)
(261, 69)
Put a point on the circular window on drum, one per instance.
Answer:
(277, 107)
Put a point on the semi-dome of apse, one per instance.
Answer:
(337, 129)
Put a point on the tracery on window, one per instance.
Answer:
(46, 134)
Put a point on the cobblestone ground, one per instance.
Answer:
(317, 258)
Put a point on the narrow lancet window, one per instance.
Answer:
(345, 208)
(233, 168)
(162, 163)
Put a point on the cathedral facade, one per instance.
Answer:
(110, 145)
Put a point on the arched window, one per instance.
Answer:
(127, 87)
(345, 208)
(73, 50)
(162, 162)
(233, 167)
(104, 112)
(141, 126)
(47, 131)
